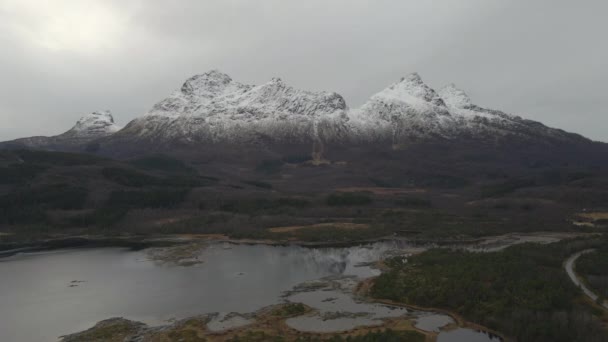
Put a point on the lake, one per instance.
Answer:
(49, 294)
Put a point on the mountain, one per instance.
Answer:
(408, 109)
(411, 110)
(87, 129)
(211, 109)
(476, 121)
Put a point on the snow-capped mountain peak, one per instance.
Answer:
(408, 108)
(212, 106)
(88, 128)
(100, 123)
(411, 88)
(207, 84)
(412, 77)
(455, 97)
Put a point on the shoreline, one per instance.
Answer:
(138, 242)
(361, 290)
(365, 285)
(264, 319)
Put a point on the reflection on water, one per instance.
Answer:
(66, 291)
(335, 301)
(221, 322)
(338, 311)
(433, 322)
(46, 295)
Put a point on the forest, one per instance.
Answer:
(522, 291)
(50, 194)
(593, 267)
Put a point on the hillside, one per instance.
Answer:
(448, 195)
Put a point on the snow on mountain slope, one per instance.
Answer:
(406, 109)
(94, 125)
(454, 97)
(213, 107)
(411, 110)
(88, 128)
(474, 121)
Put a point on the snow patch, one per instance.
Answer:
(95, 124)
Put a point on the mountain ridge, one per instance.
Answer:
(212, 108)
(89, 127)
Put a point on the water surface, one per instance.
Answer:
(50, 294)
(46, 295)
(338, 311)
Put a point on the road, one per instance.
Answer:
(569, 266)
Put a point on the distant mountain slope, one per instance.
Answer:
(481, 122)
(88, 128)
(211, 109)
(411, 110)
(404, 110)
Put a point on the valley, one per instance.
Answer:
(167, 213)
(233, 212)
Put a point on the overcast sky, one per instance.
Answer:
(545, 60)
